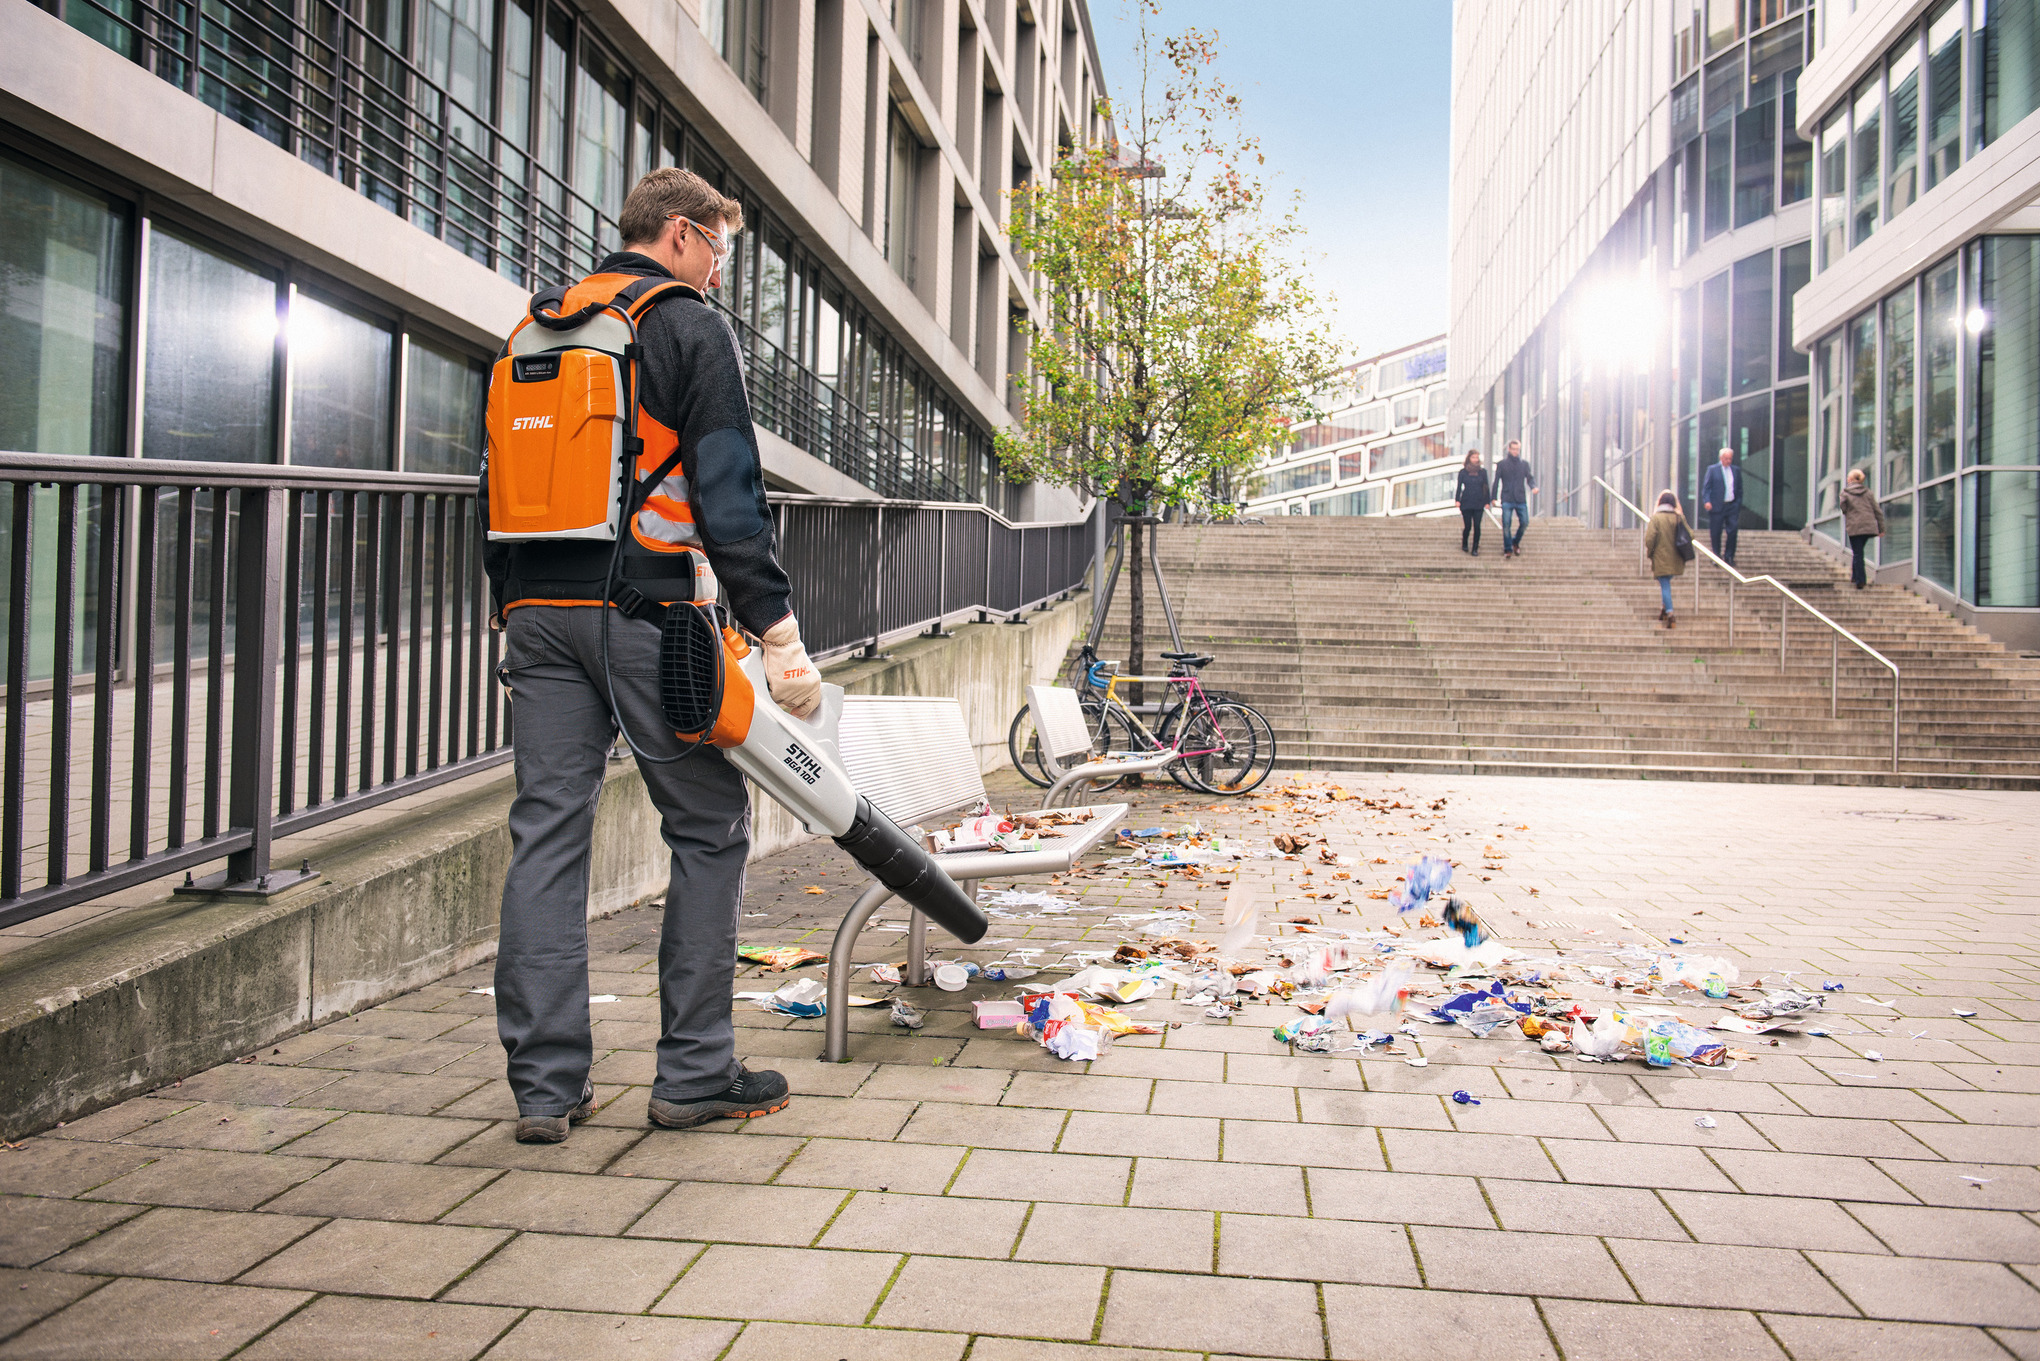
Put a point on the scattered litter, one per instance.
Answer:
(1466, 1099)
(905, 1016)
(1416, 1063)
(1071, 1028)
(1964, 1014)
(1310, 1034)
(885, 973)
(1873, 1056)
(481, 992)
(1979, 1181)
(1877, 1003)
(780, 958)
(1783, 1003)
(1037, 899)
(952, 976)
(603, 997)
(1707, 1122)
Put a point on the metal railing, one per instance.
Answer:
(1836, 633)
(865, 572)
(200, 658)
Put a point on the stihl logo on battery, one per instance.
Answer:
(532, 423)
(802, 764)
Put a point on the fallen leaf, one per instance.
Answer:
(812, 889)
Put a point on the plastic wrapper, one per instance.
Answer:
(1428, 876)
(802, 997)
(1602, 1040)
(1109, 985)
(905, 1016)
(1779, 1005)
(780, 958)
(1696, 971)
(1381, 995)
(1669, 1042)
(1481, 1012)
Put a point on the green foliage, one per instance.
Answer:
(1183, 335)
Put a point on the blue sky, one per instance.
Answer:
(1350, 99)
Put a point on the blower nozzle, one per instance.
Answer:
(896, 860)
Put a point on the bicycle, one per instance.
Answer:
(1089, 677)
(1222, 746)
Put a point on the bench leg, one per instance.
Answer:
(917, 950)
(836, 1023)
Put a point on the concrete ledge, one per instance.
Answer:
(132, 999)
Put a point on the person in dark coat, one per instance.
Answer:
(1473, 493)
(1862, 521)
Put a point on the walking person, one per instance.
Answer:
(1668, 543)
(1721, 497)
(1514, 481)
(1474, 495)
(1862, 521)
(580, 662)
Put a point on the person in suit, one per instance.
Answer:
(1721, 497)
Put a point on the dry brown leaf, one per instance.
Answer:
(811, 888)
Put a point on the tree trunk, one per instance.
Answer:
(1136, 603)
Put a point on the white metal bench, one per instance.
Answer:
(1065, 736)
(913, 758)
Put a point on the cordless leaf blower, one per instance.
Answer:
(712, 688)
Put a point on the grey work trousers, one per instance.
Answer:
(563, 730)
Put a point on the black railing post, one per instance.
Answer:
(258, 578)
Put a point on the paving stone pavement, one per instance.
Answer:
(354, 1190)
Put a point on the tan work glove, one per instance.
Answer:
(795, 684)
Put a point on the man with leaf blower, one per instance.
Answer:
(623, 476)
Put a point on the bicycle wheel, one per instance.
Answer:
(1229, 750)
(1166, 730)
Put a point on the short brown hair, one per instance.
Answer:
(669, 190)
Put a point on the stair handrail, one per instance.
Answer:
(1734, 576)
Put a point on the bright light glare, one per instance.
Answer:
(1616, 325)
(1978, 321)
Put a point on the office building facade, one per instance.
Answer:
(1380, 447)
(1655, 219)
(250, 232)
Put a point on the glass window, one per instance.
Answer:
(63, 323)
(1434, 405)
(1788, 437)
(1794, 266)
(1714, 338)
(1686, 111)
(1897, 543)
(339, 388)
(516, 114)
(1686, 321)
(1902, 180)
(1868, 179)
(1409, 410)
(1862, 395)
(1941, 335)
(1408, 453)
(1795, 175)
(1895, 472)
(1937, 534)
(1724, 24)
(1749, 434)
(1750, 361)
(2004, 57)
(772, 283)
(2004, 327)
(601, 104)
(1944, 93)
(211, 356)
(1834, 190)
(1720, 145)
(1827, 476)
(1352, 463)
(1756, 156)
(902, 195)
(1361, 501)
(444, 394)
(1423, 491)
(2001, 539)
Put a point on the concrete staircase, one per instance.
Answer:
(1374, 643)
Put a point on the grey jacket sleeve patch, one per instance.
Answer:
(727, 486)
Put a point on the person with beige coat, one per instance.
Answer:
(1862, 521)
(1661, 546)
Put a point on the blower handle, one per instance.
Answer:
(903, 865)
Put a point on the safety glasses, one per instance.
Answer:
(718, 245)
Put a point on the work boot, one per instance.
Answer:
(553, 1129)
(751, 1094)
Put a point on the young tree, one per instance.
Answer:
(1183, 336)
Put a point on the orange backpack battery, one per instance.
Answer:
(563, 412)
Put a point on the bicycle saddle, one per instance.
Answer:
(1189, 658)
